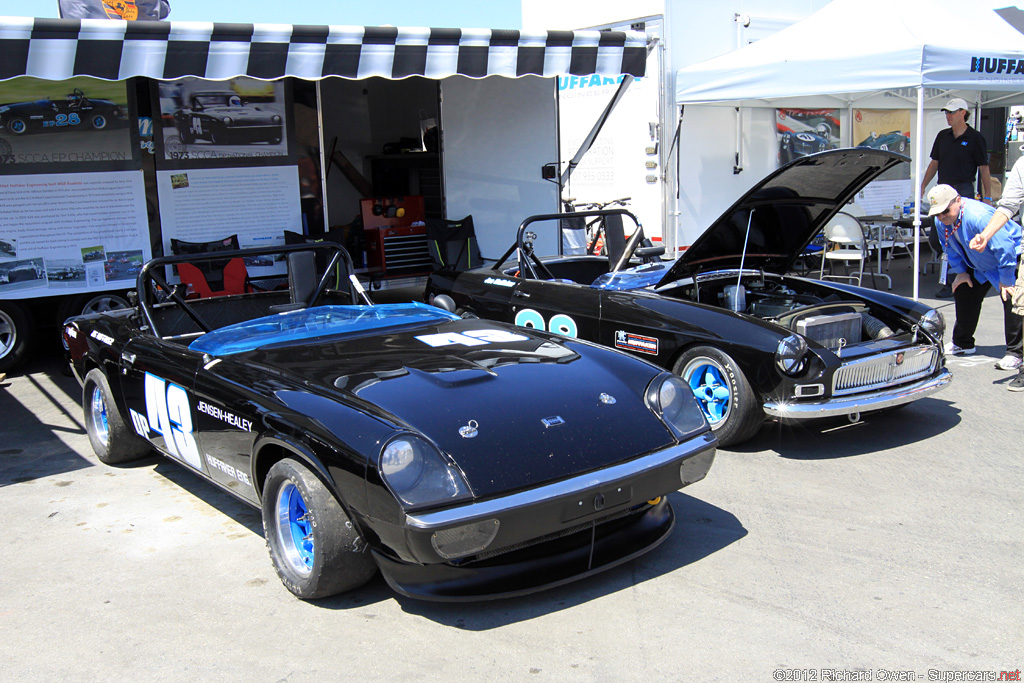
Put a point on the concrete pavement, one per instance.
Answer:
(824, 551)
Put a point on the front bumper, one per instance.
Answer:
(552, 534)
(859, 403)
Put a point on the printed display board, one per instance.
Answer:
(64, 233)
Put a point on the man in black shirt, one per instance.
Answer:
(959, 154)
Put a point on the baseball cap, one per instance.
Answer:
(955, 104)
(939, 198)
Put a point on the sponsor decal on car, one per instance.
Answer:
(224, 416)
(499, 282)
(636, 342)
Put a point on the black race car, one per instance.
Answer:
(466, 459)
(221, 117)
(74, 112)
(751, 341)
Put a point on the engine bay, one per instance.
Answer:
(818, 313)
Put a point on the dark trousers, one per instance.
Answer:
(968, 302)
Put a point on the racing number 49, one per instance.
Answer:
(168, 413)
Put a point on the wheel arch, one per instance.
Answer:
(273, 447)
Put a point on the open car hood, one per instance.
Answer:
(785, 210)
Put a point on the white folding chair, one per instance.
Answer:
(844, 241)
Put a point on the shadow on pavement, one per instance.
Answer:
(840, 438)
(701, 530)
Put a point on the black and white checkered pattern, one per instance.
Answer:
(57, 49)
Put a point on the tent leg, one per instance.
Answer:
(918, 151)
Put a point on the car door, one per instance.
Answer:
(565, 308)
(157, 380)
(225, 419)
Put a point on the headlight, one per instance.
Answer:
(933, 323)
(672, 400)
(790, 354)
(226, 120)
(418, 474)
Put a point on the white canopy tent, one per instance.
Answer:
(874, 53)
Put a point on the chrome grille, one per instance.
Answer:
(884, 370)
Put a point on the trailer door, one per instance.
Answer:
(497, 134)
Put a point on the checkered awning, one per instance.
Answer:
(57, 49)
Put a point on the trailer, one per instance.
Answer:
(679, 169)
(122, 141)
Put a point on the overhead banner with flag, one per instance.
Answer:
(127, 10)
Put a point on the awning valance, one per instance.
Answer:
(58, 49)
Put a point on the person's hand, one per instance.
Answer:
(1006, 291)
(960, 279)
(979, 242)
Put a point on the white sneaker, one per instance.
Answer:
(954, 350)
(1009, 362)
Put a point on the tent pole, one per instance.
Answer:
(919, 147)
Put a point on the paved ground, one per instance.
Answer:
(824, 552)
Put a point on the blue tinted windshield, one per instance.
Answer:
(637, 277)
(314, 322)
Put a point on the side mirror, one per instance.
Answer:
(443, 301)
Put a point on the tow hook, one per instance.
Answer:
(854, 418)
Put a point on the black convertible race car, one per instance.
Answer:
(466, 459)
(74, 112)
(751, 341)
(222, 118)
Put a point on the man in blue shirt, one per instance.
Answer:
(961, 219)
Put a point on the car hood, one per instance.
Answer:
(237, 112)
(533, 406)
(784, 211)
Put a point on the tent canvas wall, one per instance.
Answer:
(872, 53)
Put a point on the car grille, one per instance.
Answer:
(876, 372)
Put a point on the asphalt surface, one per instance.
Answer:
(890, 549)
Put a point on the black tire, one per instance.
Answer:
(99, 121)
(17, 126)
(15, 335)
(723, 393)
(113, 440)
(297, 508)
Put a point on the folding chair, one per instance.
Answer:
(452, 244)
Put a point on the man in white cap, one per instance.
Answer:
(960, 220)
(958, 155)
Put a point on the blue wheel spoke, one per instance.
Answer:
(711, 390)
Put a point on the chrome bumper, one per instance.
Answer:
(860, 403)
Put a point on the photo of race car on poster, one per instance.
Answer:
(805, 131)
(80, 120)
(237, 118)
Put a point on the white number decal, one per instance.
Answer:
(169, 413)
(471, 338)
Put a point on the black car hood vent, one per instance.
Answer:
(784, 212)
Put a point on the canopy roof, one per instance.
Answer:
(860, 46)
(58, 49)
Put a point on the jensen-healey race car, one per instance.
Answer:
(222, 118)
(74, 112)
(752, 341)
(465, 459)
